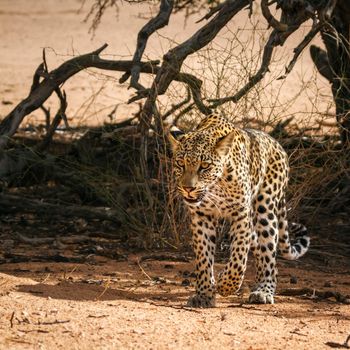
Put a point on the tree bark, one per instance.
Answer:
(11, 203)
(335, 64)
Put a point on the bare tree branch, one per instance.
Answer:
(159, 21)
(264, 68)
(211, 12)
(272, 21)
(320, 59)
(177, 106)
(299, 49)
(174, 58)
(172, 64)
(47, 116)
(60, 115)
(183, 112)
(277, 37)
(41, 91)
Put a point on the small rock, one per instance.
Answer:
(328, 284)
(168, 266)
(293, 280)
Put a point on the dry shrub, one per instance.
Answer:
(107, 159)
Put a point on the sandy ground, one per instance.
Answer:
(105, 304)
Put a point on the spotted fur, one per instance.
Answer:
(241, 176)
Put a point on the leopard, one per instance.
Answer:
(223, 172)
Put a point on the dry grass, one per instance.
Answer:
(107, 162)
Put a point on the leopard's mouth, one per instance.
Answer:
(194, 200)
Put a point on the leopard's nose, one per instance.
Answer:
(189, 189)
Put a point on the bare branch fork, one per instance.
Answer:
(51, 81)
(272, 21)
(173, 59)
(171, 66)
(224, 12)
(159, 21)
(282, 30)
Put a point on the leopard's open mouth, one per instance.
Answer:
(192, 200)
(195, 200)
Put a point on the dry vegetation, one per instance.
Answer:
(125, 167)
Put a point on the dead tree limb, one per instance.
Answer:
(320, 59)
(256, 78)
(177, 106)
(175, 57)
(335, 65)
(60, 115)
(277, 38)
(11, 203)
(41, 91)
(182, 113)
(159, 21)
(172, 64)
(272, 21)
(299, 49)
(211, 12)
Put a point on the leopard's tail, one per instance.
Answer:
(292, 250)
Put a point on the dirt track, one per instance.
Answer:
(115, 305)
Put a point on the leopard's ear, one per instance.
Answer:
(224, 144)
(174, 137)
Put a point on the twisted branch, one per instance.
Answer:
(272, 21)
(299, 49)
(159, 21)
(175, 57)
(42, 90)
(60, 115)
(264, 68)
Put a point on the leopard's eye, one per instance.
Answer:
(180, 163)
(204, 165)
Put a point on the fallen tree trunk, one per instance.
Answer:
(11, 203)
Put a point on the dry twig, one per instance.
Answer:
(315, 293)
(159, 21)
(11, 319)
(272, 21)
(41, 91)
(143, 271)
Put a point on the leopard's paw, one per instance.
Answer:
(261, 297)
(201, 301)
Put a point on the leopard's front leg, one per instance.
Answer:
(230, 279)
(203, 236)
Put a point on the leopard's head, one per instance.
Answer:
(199, 161)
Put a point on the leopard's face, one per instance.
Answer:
(196, 169)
